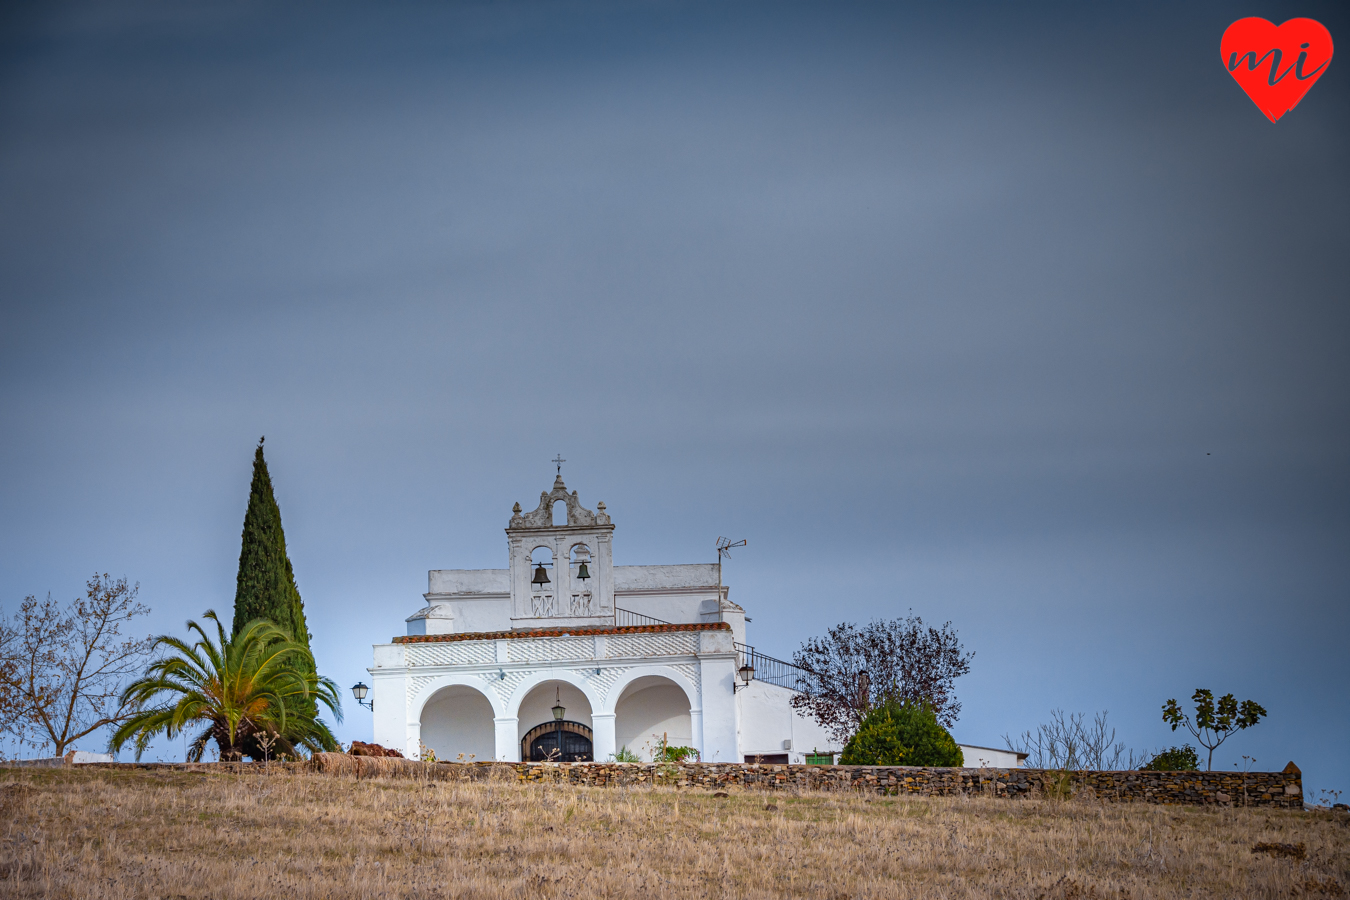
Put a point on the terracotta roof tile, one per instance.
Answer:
(559, 632)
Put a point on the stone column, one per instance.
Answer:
(602, 727)
(389, 695)
(562, 576)
(603, 554)
(696, 731)
(520, 578)
(414, 747)
(719, 714)
(508, 738)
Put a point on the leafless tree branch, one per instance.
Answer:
(62, 666)
(1069, 742)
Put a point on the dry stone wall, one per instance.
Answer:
(1267, 789)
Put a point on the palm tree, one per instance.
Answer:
(243, 688)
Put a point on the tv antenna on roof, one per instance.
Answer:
(724, 546)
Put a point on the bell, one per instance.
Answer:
(582, 572)
(540, 576)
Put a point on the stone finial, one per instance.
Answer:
(515, 508)
(601, 517)
(516, 519)
(1292, 769)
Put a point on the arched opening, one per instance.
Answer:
(457, 721)
(539, 729)
(581, 554)
(651, 709)
(542, 556)
(582, 600)
(542, 743)
(543, 594)
(559, 513)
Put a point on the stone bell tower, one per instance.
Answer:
(579, 548)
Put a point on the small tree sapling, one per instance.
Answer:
(1214, 723)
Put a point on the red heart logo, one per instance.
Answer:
(1276, 65)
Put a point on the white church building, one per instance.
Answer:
(562, 647)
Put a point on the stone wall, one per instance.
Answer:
(203, 768)
(43, 762)
(1268, 789)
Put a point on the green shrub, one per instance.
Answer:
(625, 755)
(901, 734)
(1175, 759)
(668, 753)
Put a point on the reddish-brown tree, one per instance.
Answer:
(905, 661)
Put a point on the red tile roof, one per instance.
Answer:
(560, 632)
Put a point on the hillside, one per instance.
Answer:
(170, 834)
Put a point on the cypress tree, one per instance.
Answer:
(266, 587)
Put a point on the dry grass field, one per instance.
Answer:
(173, 834)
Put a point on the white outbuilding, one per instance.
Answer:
(564, 655)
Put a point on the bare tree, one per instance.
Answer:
(63, 665)
(9, 676)
(904, 661)
(1069, 742)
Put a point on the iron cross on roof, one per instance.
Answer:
(558, 460)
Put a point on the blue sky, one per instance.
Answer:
(1023, 319)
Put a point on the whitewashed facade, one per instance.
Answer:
(991, 757)
(634, 655)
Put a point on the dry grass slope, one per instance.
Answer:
(134, 834)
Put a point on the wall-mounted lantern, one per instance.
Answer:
(747, 675)
(359, 691)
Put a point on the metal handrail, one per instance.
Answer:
(767, 668)
(626, 617)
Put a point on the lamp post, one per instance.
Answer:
(558, 712)
(359, 691)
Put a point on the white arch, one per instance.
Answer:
(633, 674)
(567, 677)
(429, 690)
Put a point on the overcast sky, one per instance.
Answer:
(1024, 319)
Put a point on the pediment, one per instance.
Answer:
(542, 516)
